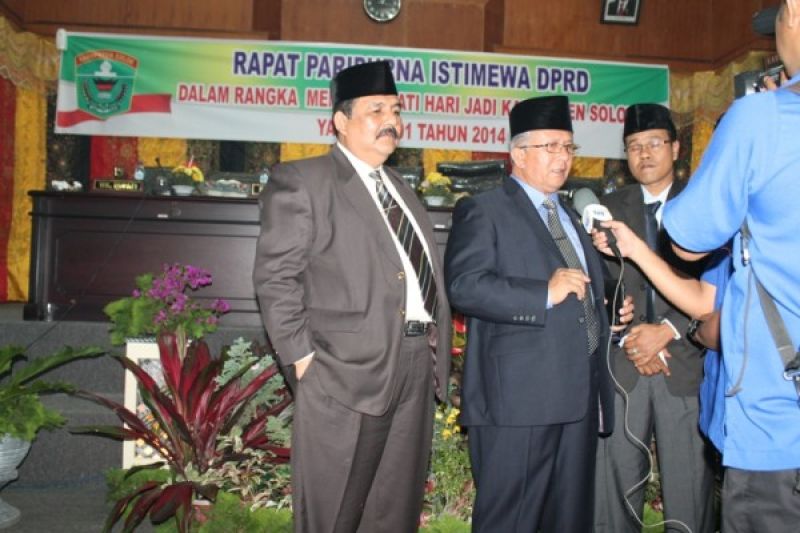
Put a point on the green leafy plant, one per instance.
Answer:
(194, 416)
(450, 487)
(22, 413)
(161, 304)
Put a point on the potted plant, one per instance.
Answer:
(22, 413)
(200, 430)
(186, 177)
(163, 303)
(435, 189)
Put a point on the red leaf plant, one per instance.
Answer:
(192, 413)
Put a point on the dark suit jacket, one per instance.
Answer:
(525, 365)
(686, 365)
(328, 279)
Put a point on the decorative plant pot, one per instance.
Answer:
(435, 201)
(183, 190)
(12, 452)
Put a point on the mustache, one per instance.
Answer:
(388, 130)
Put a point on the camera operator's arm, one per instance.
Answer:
(693, 297)
(687, 255)
(707, 332)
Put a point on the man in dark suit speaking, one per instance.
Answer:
(352, 296)
(536, 389)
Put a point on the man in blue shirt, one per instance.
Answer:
(750, 173)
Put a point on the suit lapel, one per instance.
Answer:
(356, 195)
(524, 206)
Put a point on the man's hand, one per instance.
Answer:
(655, 365)
(643, 345)
(564, 281)
(625, 315)
(769, 83)
(628, 242)
(301, 365)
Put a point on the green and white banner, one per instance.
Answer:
(278, 91)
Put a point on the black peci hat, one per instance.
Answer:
(541, 113)
(365, 79)
(643, 117)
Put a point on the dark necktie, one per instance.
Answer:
(410, 242)
(571, 258)
(651, 236)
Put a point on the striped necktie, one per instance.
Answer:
(571, 258)
(410, 242)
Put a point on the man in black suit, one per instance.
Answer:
(357, 314)
(658, 367)
(535, 386)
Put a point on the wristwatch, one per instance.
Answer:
(692, 329)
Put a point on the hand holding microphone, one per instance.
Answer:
(593, 214)
(608, 236)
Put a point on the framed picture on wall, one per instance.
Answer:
(620, 11)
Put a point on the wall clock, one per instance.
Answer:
(382, 10)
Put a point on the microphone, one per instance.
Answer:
(592, 214)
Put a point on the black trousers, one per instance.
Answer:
(353, 472)
(536, 478)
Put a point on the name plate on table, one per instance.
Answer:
(118, 186)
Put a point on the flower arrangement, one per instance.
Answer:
(450, 489)
(436, 184)
(160, 304)
(188, 174)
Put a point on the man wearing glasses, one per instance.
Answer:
(659, 368)
(536, 390)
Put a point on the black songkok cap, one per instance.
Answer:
(542, 113)
(365, 79)
(643, 117)
(764, 20)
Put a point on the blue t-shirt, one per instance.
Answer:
(713, 386)
(751, 171)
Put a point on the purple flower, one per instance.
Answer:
(174, 307)
(221, 306)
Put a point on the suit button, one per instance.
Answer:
(533, 318)
(401, 275)
(581, 320)
(642, 318)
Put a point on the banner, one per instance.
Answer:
(276, 91)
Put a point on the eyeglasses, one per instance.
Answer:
(554, 147)
(651, 145)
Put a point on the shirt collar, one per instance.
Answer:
(362, 168)
(535, 195)
(661, 197)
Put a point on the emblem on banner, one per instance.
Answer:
(105, 82)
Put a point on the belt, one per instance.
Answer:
(416, 328)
